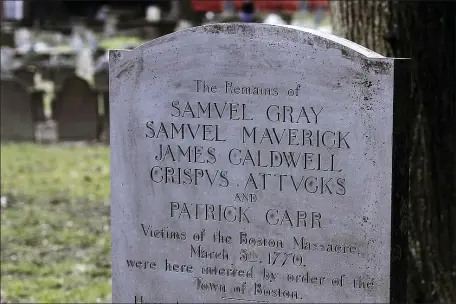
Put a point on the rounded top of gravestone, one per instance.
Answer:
(273, 34)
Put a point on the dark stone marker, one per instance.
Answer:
(102, 87)
(16, 111)
(102, 81)
(26, 75)
(106, 129)
(76, 110)
(38, 104)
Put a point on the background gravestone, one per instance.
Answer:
(26, 74)
(37, 96)
(102, 80)
(6, 59)
(16, 111)
(76, 110)
(102, 87)
(257, 163)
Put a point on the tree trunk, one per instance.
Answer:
(426, 33)
(188, 13)
(365, 22)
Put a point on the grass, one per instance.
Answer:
(55, 224)
(120, 42)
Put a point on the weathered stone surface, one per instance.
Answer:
(16, 111)
(251, 163)
(76, 110)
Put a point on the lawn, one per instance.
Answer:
(120, 42)
(55, 234)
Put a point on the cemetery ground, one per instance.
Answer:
(55, 234)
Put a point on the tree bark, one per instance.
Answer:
(365, 22)
(426, 33)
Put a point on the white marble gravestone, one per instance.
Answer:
(254, 163)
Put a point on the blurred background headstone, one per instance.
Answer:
(84, 63)
(274, 19)
(103, 13)
(17, 122)
(23, 40)
(6, 56)
(174, 12)
(182, 25)
(153, 13)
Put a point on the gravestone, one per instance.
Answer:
(27, 76)
(58, 74)
(37, 96)
(257, 163)
(105, 131)
(16, 111)
(76, 110)
(101, 79)
(84, 63)
(6, 59)
(102, 87)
